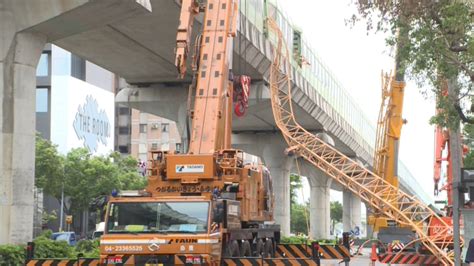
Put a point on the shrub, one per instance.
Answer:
(12, 255)
(294, 240)
(89, 248)
(45, 247)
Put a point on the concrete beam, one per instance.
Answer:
(19, 55)
(82, 15)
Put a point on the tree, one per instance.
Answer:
(468, 132)
(298, 222)
(88, 177)
(335, 213)
(49, 166)
(298, 212)
(439, 45)
(295, 185)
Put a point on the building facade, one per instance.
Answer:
(75, 108)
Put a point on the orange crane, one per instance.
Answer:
(209, 203)
(375, 191)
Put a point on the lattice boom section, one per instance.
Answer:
(372, 189)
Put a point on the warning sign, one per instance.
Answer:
(189, 168)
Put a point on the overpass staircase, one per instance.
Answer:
(377, 193)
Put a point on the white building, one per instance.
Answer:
(74, 108)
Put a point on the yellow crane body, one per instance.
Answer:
(389, 129)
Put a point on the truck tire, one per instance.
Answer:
(259, 248)
(268, 249)
(245, 250)
(233, 249)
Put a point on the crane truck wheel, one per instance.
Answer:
(245, 250)
(268, 249)
(259, 247)
(233, 249)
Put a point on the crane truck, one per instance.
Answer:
(210, 202)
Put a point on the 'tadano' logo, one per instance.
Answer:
(91, 124)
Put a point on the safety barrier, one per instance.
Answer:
(334, 252)
(408, 258)
(268, 261)
(293, 251)
(63, 262)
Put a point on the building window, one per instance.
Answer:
(178, 147)
(123, 131)
(124, 111)
(123, 149)
(42, 70)
(165, 127)
(143, 128)
(78, 67)
(154, 146)
(142, 149)
(42, 100)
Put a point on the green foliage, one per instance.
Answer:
(45, 247)
(294, 240)
(295, 185)
(99, 174)
(438, 44)
(12, 255)
(304, 240)
(336, 212)
(86, 178)
(48, 167)
(298, 221)
(298, 212)
(47, 217)
(469, 135)
(88, 248)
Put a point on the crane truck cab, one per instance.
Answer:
(170, 230)
(190, 215)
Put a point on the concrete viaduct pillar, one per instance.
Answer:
(270, 148)
(351, 211)
(25, 26)
(19, 55)
(320, 185)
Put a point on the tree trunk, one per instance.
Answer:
(455, 152)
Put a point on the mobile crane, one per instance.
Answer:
(389, 127)
(209, 203)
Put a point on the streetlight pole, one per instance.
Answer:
(61, 215)
(61, 212)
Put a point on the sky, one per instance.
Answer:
(356, 59)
